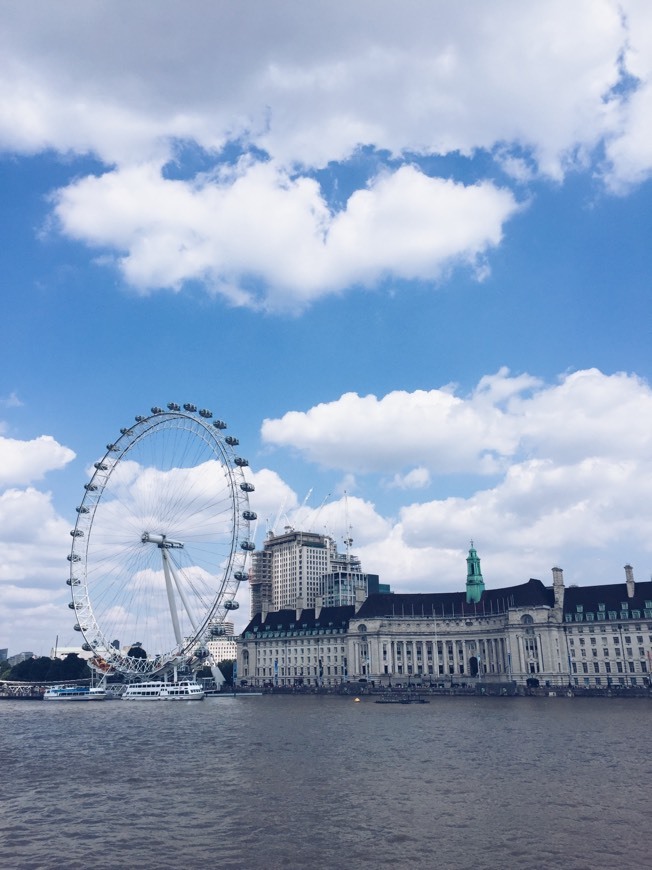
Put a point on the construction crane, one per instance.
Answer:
(313, 519)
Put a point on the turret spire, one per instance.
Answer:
(474, 580)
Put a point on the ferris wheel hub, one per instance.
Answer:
(161, 541)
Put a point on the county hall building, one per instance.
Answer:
(591, 636)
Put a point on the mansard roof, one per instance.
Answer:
(454, 604)
(286, 620)
(380, 605)
(610, 596)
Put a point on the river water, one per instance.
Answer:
(324, 782)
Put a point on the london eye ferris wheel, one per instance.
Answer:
(161, 543)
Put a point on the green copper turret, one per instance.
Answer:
(474, 581)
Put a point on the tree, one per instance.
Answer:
(46, 670)
(31, 670)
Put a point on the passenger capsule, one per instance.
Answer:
(247, 545)
(140, 418)
(247, 487)
(73, 557)
(241, 576)
(190, 407)
(249, 515)
(218, 630)
(73, 581)
(205, 413)
(101, 466)
(125, 431)
(78, 627)
(233, 442)
(87, 647)
(243, 463)
(111, 448)
(82, 509)
(173, 406)
(201, 653)
(157, 410)
(219, 424)
(71, 605)
(231, 605)
(90, 487)
(76, 533)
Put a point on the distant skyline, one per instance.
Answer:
(403, 250)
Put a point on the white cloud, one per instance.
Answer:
(11, 401)
(576, 472)
(34, 541)
(416, 478)
(23, 462)
(504, 418)
(310, 85)
(258, 223)
(541, 86)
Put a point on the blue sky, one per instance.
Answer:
(404, 253)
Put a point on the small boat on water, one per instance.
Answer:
(75, 693)
(183, 690)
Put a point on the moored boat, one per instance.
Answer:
(75, 693)
(183, 690)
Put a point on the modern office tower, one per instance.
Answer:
(295, 568)
(260, 580)
(222, 644)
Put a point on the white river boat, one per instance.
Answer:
(75, 693)
(183, 690)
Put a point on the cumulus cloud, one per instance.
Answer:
(23, 462)
(504, 418)
(570, 474)
(255, 223)
(34, 540)
(543, 87)
(311, 85)
(416, 478)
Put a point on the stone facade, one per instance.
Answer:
(589, 636)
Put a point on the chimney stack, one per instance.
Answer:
(629, 579)
(558, 587)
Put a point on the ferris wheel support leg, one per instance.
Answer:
(170, 591)
(182, 595)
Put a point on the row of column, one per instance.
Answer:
(377, 656)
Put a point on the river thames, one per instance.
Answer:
(324, 782)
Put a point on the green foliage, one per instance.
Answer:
(46, 670)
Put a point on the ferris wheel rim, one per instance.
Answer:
(223, 596)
